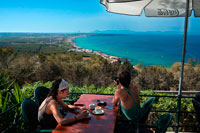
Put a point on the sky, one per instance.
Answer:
(74, 16)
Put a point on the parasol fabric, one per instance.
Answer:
(152, 8)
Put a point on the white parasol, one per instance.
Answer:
(152, 8)
(159, 8)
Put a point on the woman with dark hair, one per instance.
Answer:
(127, 96)
(49, 115)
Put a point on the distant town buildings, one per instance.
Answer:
(79, 49)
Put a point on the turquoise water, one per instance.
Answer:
(148, 49)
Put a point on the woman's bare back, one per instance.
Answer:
(126, 99)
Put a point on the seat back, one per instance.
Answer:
(197, 97)
(40, 94)
(196, 105)
(146, 108)
(29, 111)
(163, 123)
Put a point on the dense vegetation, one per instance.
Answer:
(34, 43)
(26, 63)
(10, 97)
(11, 94)
(79, 71)
(30, 57)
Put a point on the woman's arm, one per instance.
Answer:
(67, 107)
(64, 121)
(64, 105)
(116, 97)
(77, 107)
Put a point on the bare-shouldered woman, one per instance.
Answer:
(127, 95)
(49, 115)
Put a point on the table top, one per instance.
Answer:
(97, 123)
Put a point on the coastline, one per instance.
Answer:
(76, 48)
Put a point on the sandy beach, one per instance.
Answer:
(79, 49)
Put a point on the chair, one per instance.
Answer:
(163, 123)
(40, 94)
(197, 97)
(160, 126)
(146, 108)
(196, 105)
(29, 111)
(124, 124)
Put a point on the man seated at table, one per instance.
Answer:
(127, 96)
(49, 115)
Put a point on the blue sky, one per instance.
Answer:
(79, 16)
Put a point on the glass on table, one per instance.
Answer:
(92, 106)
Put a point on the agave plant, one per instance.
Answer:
(5, 103)
(5, 88)
(12, 94)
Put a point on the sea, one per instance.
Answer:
(148, 49)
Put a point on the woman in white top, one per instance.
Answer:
(49, 115)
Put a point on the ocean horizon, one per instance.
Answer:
(148, 49)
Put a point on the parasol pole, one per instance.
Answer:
(182, 66)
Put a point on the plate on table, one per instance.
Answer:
(98, 113)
